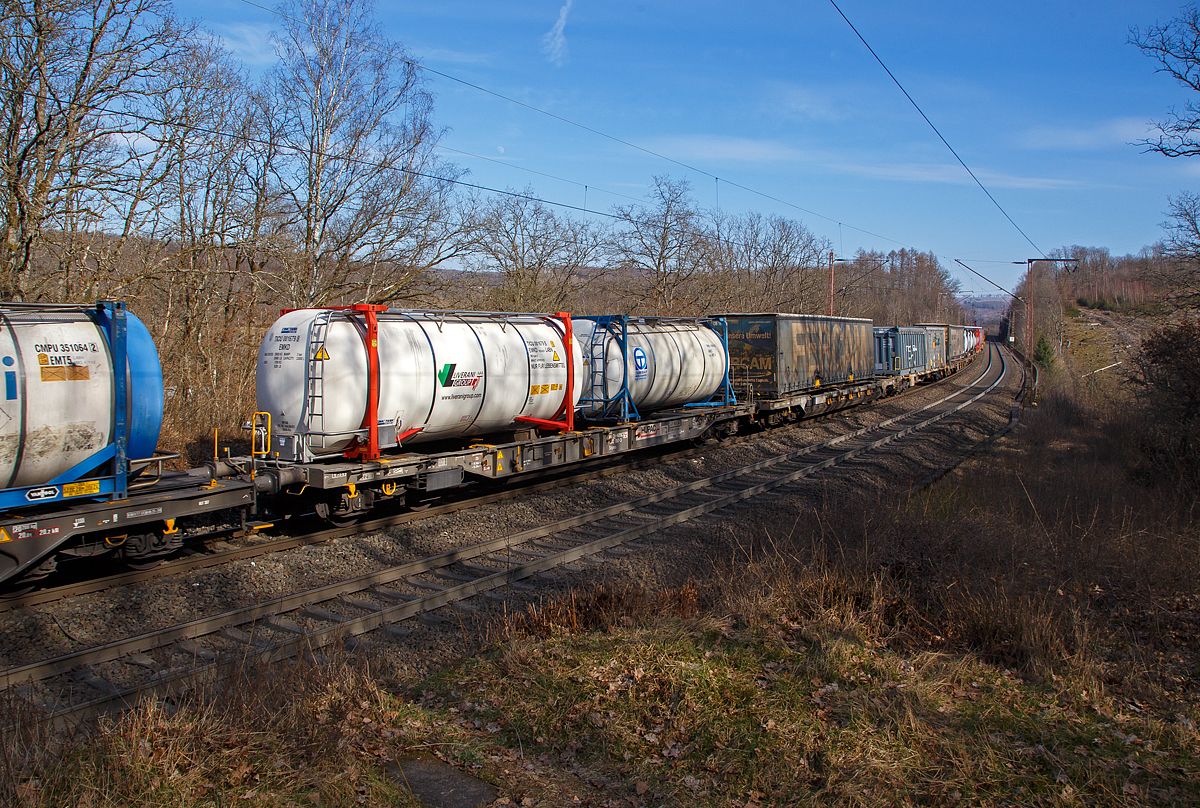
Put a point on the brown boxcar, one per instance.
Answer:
(776, 355)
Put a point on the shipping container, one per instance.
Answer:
(776, 355)
(636, 364)
(439, 375)
(955, 338)
(935, 347)
(900, 350)
(60, 414)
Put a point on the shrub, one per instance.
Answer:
(1168, 369)
(1043, 354)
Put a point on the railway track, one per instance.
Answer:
(302, 531)
(311, 530)
(165, 661)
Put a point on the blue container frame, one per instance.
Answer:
(114, 484)
(620, 405)
(724, 395)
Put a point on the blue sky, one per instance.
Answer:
(1040, 99)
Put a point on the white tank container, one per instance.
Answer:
(668, 363)
(451, 375)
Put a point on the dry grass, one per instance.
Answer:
(296, 734)
(1023, 633)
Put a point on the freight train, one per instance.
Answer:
(363, 404)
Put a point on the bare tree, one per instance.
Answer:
(900, 287)
(1179, 273)
(1175, 45)
(202, 300)
(540, 260)
(1176, 48)
(768, 264)
(356, 163)
(661, 250)
(74, 74)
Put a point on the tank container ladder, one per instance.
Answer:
(620, 405)
(317, 334)
(596, 360)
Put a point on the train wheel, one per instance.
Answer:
(337, 517)
(141, 565)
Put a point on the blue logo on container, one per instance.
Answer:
(640, 365)
(10, 380)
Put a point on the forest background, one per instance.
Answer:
(141, 162)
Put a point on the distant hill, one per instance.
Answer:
(986, 310)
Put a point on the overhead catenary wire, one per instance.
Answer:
(449, 77)
(480, 88)
(989, 280)
(246, 138)
(147, 119)
(508, 192)
(917, 107)
(554, 177)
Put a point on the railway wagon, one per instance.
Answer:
(635, 364)
(901, 350)
(772, 356)
(955, 338)
(83, 405)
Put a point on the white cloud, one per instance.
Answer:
(715, 149)
(554, 43)
(793, 102)
(1117, 132)
(249, 42)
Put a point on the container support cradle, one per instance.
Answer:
(566, 410)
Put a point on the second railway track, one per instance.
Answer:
(111, 675)
(313, 531)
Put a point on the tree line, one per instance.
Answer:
(142, 162)
(1163, 278)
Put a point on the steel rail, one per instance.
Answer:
(202, 560)
(445, 596)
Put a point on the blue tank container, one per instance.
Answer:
(82, 396)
